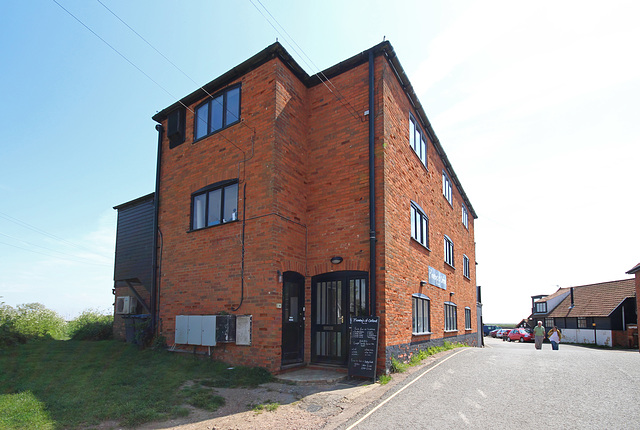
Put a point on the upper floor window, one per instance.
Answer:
(541, 307)
(214, 204)
(446, 188)
(421, 314)
(419, 225)
(217, 113)
(465, 216)
(465, 266)
(450, 317)
(467, 318)
(418, 140)
(448, 251)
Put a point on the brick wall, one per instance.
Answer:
(303, 159)
(406, 261)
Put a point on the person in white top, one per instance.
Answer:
(554, 337)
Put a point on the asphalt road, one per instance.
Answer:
(510, 385)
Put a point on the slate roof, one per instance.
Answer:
(595, 300)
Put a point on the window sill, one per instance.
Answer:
(211, 226)
(451, 331)
(413, 239)
(450, 265)
(421, 334)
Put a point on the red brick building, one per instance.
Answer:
(295, 202)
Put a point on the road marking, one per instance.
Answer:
(403, 388)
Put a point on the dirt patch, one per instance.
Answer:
(301, 407)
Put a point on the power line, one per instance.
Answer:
(42, 232)
(168, 60)
(55, 256)
(75, 257)
(321, 76)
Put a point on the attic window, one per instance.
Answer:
(217, 113)
(541, 307)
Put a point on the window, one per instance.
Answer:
(450, 317)
(541, 307)
(446, 188)
(421, 313)
(582, 322)
(418, 140)
(465, 217)
(218, 113)
(467, 318)
(215, 204)
(465, 267)
(548, 323)
(419, 225)
(448, 251)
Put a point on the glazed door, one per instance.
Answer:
(292, 318)
(335, 298)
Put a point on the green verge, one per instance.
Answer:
(71, 384)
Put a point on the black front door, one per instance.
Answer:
(336, 297)
(292, 318)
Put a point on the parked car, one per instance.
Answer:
(494, 333)
(487, 329)
(502, 333)
(520, 335)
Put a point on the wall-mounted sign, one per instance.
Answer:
(437, 278)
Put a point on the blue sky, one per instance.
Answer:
(535, 105)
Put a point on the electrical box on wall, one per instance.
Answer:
(226, 328)
(195, 330)
(243, 330)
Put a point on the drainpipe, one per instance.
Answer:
(372, 190)
(154, 262)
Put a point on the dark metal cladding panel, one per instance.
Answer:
(134, 242)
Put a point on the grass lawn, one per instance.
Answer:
(53, 384)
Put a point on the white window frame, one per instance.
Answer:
(466, 271)
(465, 217)
(421, 314)
(448, 251)
(447, 191)
(467, 318)
(418, 140)
(541, 307)
(450, 316)
(419, 225)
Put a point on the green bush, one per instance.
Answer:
(29, 321)
(91, 325)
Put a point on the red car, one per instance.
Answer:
(521, 335)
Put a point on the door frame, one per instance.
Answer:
(293, 277)
(344, 326)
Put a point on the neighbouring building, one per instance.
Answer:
(603, 313)
(287, 204)
(636, 272)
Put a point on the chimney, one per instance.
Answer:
(571, 307)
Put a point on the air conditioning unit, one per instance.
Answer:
(126, 305)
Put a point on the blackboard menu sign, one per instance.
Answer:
(363, 349)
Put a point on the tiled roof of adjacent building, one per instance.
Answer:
(595, 300)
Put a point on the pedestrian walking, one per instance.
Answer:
(539, 333)
(554, 337)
